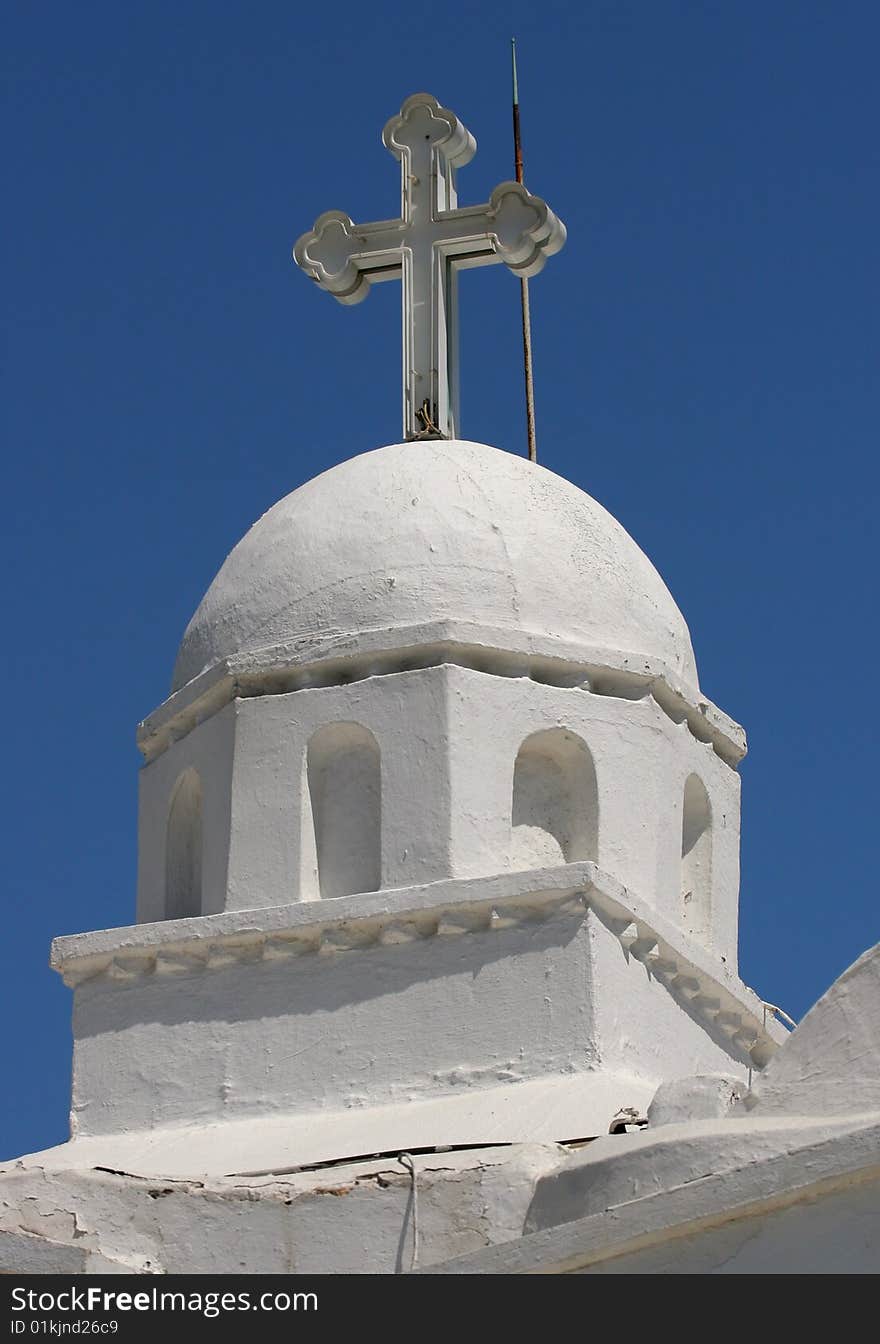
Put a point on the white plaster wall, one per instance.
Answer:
(209, 750)
(830, 1234)
(334, 1030)
(723, 785)
(724, 788)
(406, 713)
(348, 1029)
(831, 1063)
(349, 1219)
(642, 760)
(268, 817)
(342, 803)
(448, 738)
(358, 1218)
(490, 718)
(555, 813)
(647, 1028)
(183, 849)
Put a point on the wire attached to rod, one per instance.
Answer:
(407, 1161)
(524, 284)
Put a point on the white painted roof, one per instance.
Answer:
(419, 532)
(541, 1110)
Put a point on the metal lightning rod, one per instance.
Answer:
(524, 284)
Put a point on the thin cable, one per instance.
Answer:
(777, 1012)
(407, 1162)
(524, 284)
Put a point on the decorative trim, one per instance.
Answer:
(524, 250)
(451, 909)
(459, 146)
(338, 661)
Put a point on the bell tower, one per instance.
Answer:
(438, 835)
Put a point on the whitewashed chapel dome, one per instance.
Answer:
(437, 531)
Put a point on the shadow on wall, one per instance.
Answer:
(696, 859)
(324, 984)
(342, 813)
(555, 809)
(183, 849)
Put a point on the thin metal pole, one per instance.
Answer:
(524, 284)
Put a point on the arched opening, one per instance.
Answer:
(555, 812)
(696, 858)
(183, 849)
(343, 853)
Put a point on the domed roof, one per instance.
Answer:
(437, 531)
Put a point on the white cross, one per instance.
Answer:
(431, 241)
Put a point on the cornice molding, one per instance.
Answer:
(452, 908)
(336, 660)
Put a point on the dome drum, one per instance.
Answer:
(440, 772)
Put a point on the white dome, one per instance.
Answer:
(437, 531)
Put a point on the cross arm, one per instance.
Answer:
(345, 258)
(515, 227)
(525, 230)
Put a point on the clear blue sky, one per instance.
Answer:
(706, 364)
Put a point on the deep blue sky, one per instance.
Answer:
(706, 364)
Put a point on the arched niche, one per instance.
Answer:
(342, 813)
(183, 849)
(696, 859)
(555, 810)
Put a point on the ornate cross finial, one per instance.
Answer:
(431, 241)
